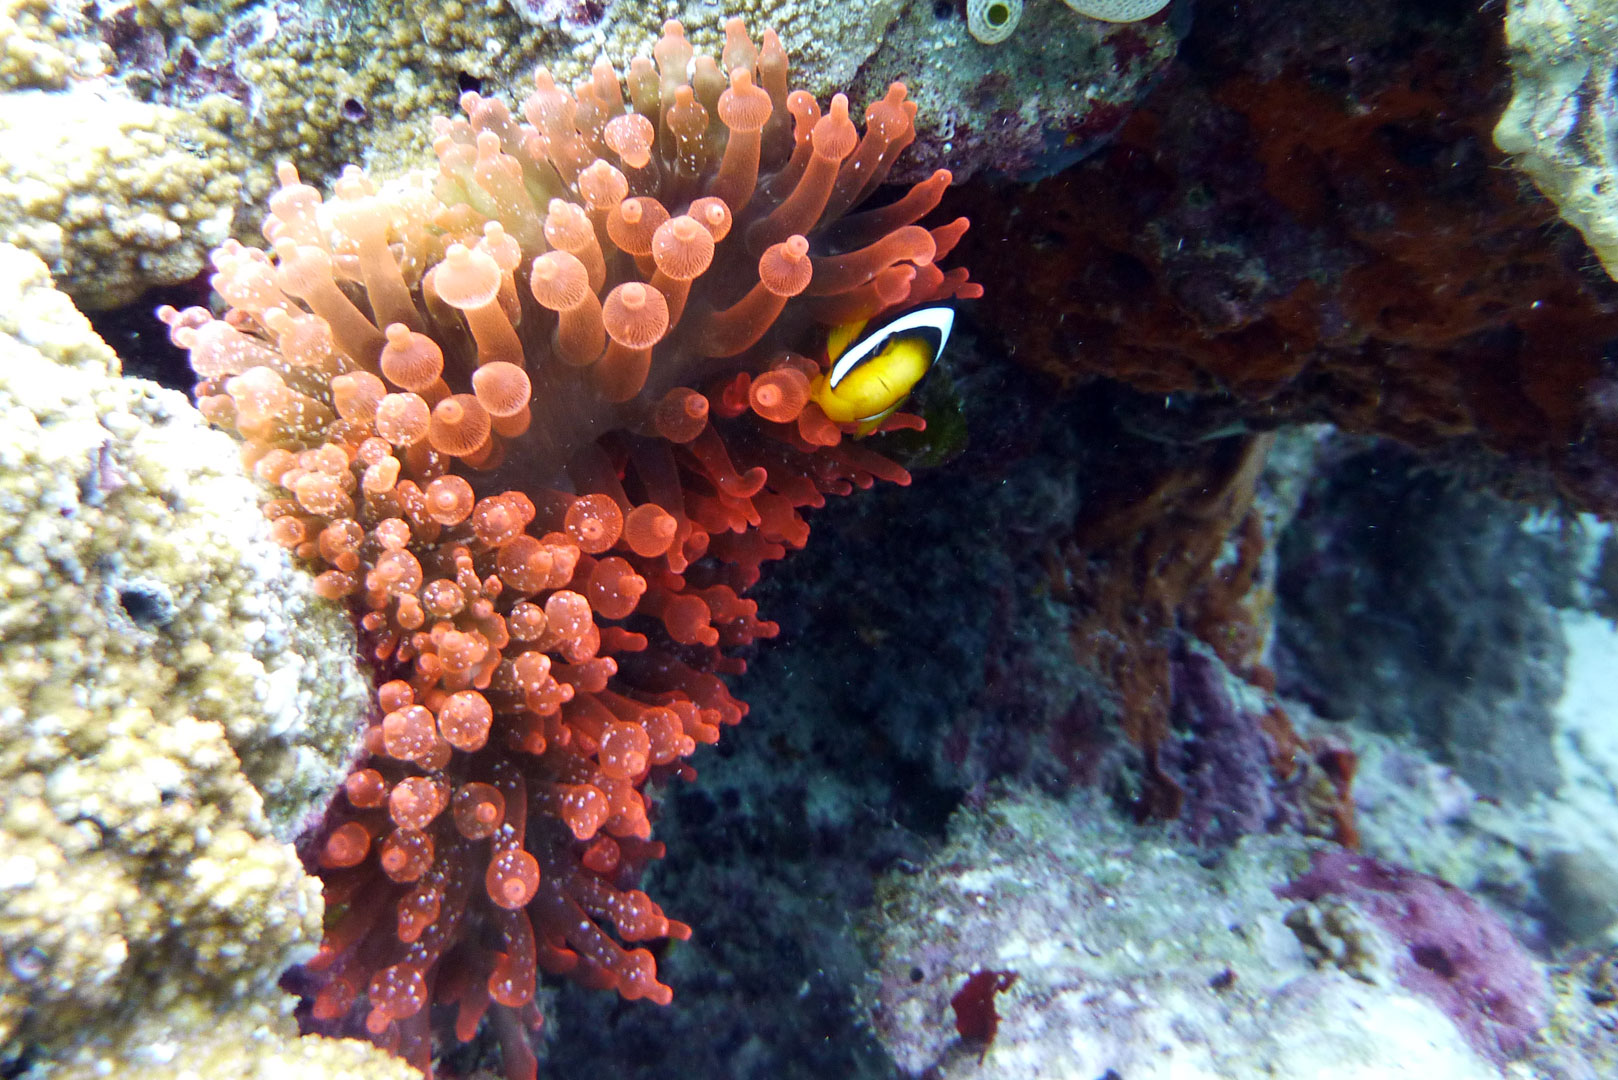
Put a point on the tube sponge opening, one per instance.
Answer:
(992, 21)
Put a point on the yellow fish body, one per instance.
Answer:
(872, 373)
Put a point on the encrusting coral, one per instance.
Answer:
(43, 45)
(115, 195)
(174, 703)
(541, 416)
(1143, 955)
(1559, 124)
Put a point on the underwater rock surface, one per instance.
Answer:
(164, 671)
(1305, 223)
(1563, 117)
(116, 195)
(1414, 605)
(1135, 956)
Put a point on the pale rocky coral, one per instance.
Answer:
(1562, 123)
(253, 1042)
(114, 194)
(324, 93)
(1023, 103)
(291, 83)
(163, 669)
(1135, 956)
(45, 44)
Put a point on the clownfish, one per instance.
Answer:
(873, 372)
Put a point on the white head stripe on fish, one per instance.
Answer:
(940, 319)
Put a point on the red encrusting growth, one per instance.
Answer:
(540, 417)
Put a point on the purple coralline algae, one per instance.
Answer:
(1455, 952)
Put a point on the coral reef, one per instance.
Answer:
(1132, 956)
(1560, 123)
(1291, 231)
(1305, 222)
(1020, 102)
(1496, 778)
(1586, 1008)
(184, 1040)
(1451, 949)
(1308, 221)
(1416, 812)
(115, 195)
(1407, 808)
(324, 87)
(163, 117)
(155, 688)
(527, 554)
(44, 45)
(1164, 569)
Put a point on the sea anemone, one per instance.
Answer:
(540, 416)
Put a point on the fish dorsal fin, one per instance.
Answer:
(841, 337)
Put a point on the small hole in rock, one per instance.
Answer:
(1434, 959)
(145, 607)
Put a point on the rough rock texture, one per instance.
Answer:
(1133, 957)
(1413, 604)
(44, 43)
(1586, 1009)
(163, 672)
(252, 1040)
(1028, 106)
(1549, 863)
(1417, 812)
(323, 84)
(1437, 942)
(1583, 819)
(1307, 222)
(1562, 123)
(115, 195)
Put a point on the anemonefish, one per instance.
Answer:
(872, 372)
